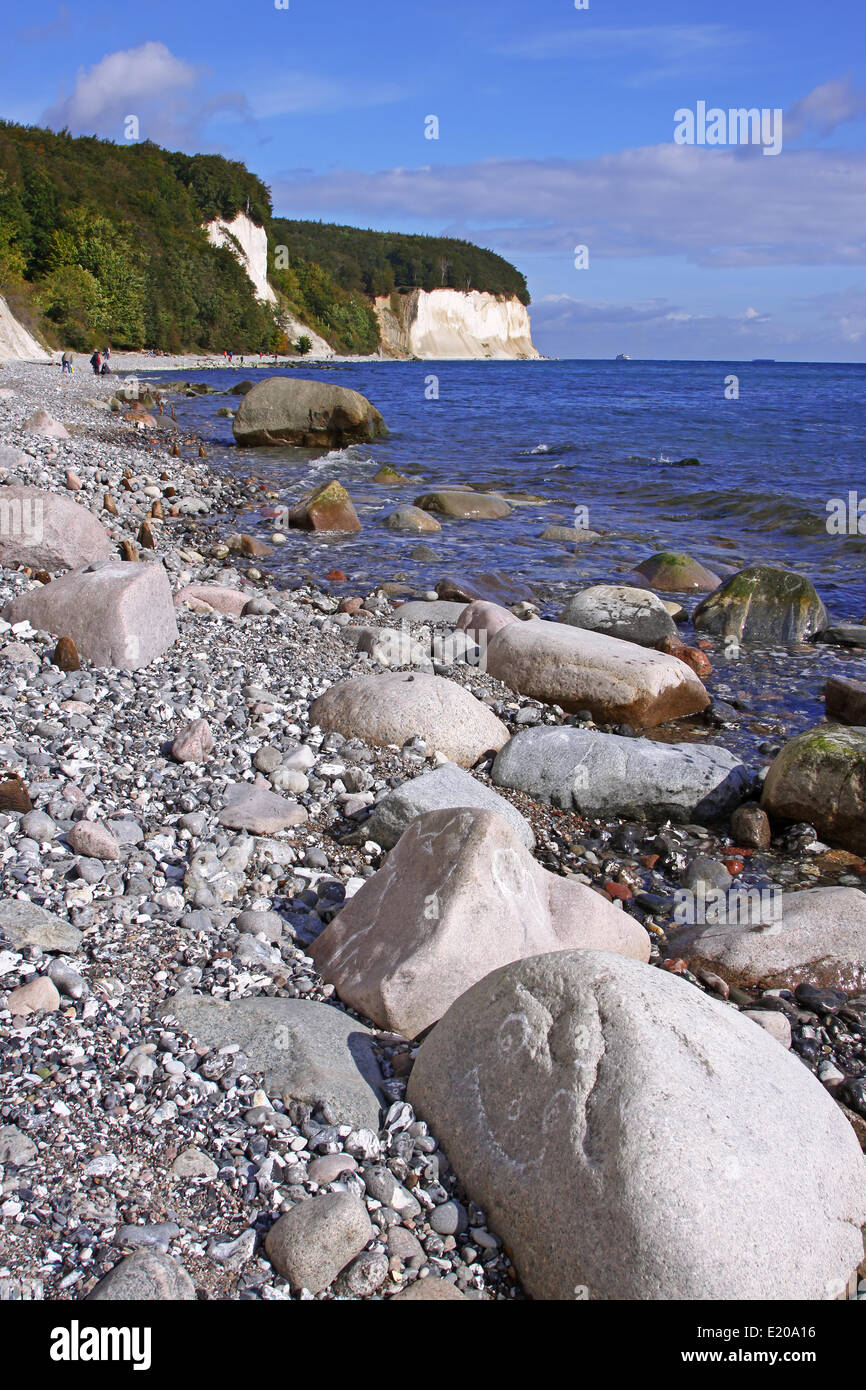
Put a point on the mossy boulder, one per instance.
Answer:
(387, 474)
(671, 572)
(820, 777)
(327, 508)
(763, 604)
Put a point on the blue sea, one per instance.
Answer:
(604, 436)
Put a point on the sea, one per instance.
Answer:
(779, 477)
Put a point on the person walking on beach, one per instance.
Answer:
(96, 362)
(66, 363)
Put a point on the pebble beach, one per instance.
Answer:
(204, 1091)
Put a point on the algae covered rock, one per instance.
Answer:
(820, 777)
(763, 604)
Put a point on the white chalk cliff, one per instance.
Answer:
(453, 324)
(250, 247)
(15, 342)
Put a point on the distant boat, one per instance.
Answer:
(623, 357)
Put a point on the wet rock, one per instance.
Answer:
(671, 572)
(411, 519)
(583, 1099)
(473, 506)
(459, 895)
(327, 508)
(763, 604)
(750, 826)
(845, 700)
(294, 410)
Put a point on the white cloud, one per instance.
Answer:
(668, 42)
(715, 207)
(825, 108)
(139, 80)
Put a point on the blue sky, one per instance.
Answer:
(556, 130)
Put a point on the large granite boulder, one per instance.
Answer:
(119, 615)
(306, 1051)
(394, 707)
(458, 896)
(671, 572)
(818, 937)
(763, 604)
(634, 615)
(327, 508)
(436, 611)
(48, 531)
(43, 423)
(630, 1137)
(610, 775)
(295, 410)
(619, 682)
(820, 777)
(471, 506)
(444, 789)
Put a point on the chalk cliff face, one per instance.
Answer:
(15, 341)
(253, 252)
(453, 323)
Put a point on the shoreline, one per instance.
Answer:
(152, 921)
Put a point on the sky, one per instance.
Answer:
(557, 130)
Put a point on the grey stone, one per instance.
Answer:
(313, 1242)
(119, 614)
(609, 774)
(445, 788)
(307, 1051)
(634, 615)
(39, 826)
(267, 924)
(254, 807)
(22, 924)
(382, 1185)
(146, 1275)
(630, 1137)
(706, 872)
(439, 612)
(16, 1148)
